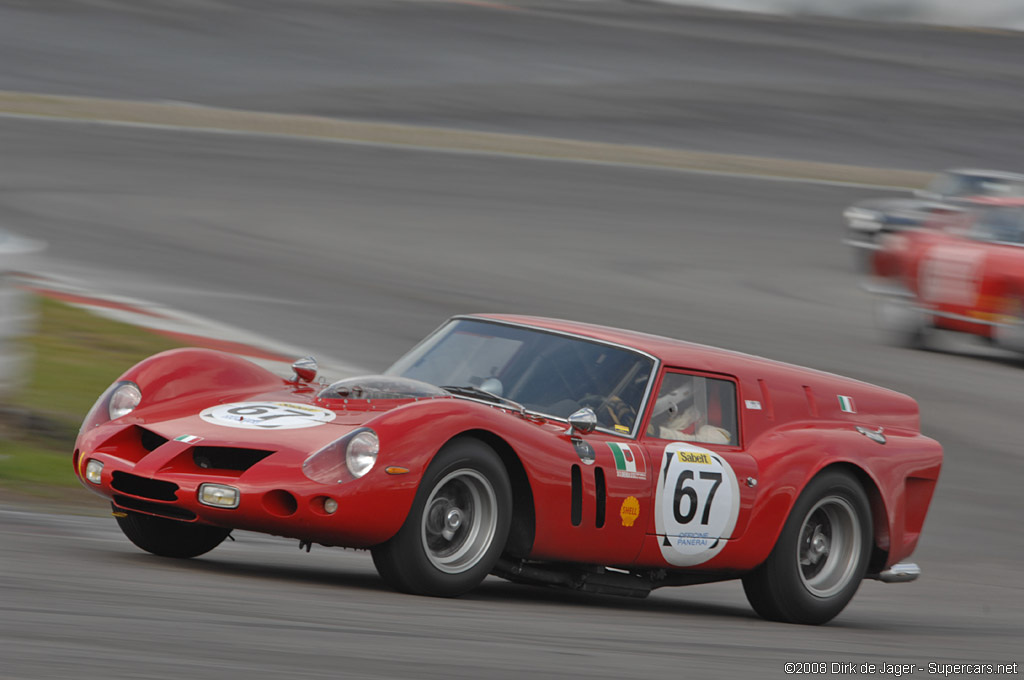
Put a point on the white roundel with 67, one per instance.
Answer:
(696, 504)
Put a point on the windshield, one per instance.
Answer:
(967, 184)
(1001, 225)
(547, 373)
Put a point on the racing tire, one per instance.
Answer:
(1010, 335)
(457, 527)
(902, 324)
(863, 260)
(821, 555)
(168, 537)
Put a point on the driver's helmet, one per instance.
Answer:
(674, 405)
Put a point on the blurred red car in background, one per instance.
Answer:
(968, 279)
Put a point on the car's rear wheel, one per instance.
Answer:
(457, 527)
(821, 555)
(1010, 334)
(168, 537)
(902, 324)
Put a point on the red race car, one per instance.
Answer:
(950, 199)
(966, 280)
(545, 452)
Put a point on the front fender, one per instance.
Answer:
(413, 434)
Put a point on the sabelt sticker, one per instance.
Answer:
(752, 405)
(629, 511)
(267, 415)
(696, 505)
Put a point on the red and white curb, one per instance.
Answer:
(187, 329)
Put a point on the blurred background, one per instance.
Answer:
(343, 176)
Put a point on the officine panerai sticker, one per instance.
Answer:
(629, 511)
(752, 405)
(696, 504)
(267, 415)
(846, 404)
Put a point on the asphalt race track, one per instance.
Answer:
(356, 251)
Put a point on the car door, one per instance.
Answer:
(692, 436)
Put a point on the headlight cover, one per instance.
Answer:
(347, 458)
(128, 396)
(361, 453)
(123, 400)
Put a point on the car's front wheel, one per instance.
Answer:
(821, 555)
(168, 537)
(457, 527)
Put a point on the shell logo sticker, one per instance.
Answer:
(629, 511)
(266, 415)
(696, 504)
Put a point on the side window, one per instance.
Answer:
(696, 409)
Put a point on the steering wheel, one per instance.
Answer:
(610, 411)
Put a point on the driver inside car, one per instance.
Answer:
(681, 412)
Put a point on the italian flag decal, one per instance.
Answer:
(846, 404)
(628, 463)
(188, 438)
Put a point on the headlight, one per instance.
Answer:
(218, 495)
(94, 471)
(862, 219)
(348, 458)
(361, 453)
(118, 400)
(123, 400)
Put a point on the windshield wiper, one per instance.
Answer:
(471, 391)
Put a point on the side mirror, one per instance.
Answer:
(583, 421)
(305, 369)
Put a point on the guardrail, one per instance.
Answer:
(15, 316)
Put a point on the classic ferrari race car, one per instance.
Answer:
(948, 200)
(969, 280)
(545, 452)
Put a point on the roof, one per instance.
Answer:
(673, 352)
(979, 172)
(998, 201)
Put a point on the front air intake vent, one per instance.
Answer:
(134, 485)
(151, 508)
(150, 441)
(227, 457)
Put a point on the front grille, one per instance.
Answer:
(227, 458)
(148, 507)
(134, 485)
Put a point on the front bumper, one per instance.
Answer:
(273, 497)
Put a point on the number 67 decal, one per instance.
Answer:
(266, 415)
(696, 504)
(688, 492)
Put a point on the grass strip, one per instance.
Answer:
(73, 356)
